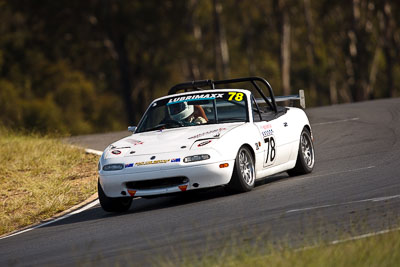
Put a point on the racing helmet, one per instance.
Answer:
(180, 111)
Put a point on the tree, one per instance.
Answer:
(283, 17)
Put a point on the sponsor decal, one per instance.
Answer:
(270, 153)
(194, 97)
(122, 147)
(176, 160)
(134, 142)
(204, 143)
(216, 131)
(129, 165)
(268, 133)
(152, 162)
(116, 152)
(235, 96)
(266, 126)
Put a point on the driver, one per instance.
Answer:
(184, 112)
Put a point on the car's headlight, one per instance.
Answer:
(113, 167)
(196, 158)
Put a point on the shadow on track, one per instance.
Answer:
(143, 205)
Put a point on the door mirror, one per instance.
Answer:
(132, 129)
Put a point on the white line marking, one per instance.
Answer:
(335, 242)
(364, 236)
(345, 203)
(332, 122)
(88, 206)
(334, 173)
(92, 151)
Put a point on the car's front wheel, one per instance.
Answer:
(306, 155)
(244, 175)
(113, 204)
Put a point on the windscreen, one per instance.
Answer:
(194, 110)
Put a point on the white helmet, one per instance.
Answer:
(180, 111)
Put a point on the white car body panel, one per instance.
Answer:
(159, 154)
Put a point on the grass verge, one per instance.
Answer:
(40, 177)
(379, 250)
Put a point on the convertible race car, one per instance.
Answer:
(206, 137)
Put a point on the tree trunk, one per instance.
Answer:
(281, 11)
(195, 29)
(125, 78)
(359, 55)
(310, 49)
(333, 91)
(285, 46)
(389, 46)
(333, 96)
(119, 44)
(373, 73)
(221, 44)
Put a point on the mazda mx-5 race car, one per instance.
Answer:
(205, 138)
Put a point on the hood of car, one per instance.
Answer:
(168, 140)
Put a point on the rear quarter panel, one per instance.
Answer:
(297, 120)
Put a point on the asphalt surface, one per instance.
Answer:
(354, 189)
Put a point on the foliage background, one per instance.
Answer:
(77, 67)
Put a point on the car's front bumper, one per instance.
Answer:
(199, 176)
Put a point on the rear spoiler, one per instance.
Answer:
(290, 98)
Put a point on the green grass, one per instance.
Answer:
(40, 177)
(380, 250)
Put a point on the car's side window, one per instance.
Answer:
(231, 111)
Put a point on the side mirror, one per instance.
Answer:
(132, 129)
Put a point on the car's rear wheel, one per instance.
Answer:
(244, 175)
(305, 156)
(113, 204)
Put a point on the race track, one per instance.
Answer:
(354, 189)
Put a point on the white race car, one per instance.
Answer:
(206, 138)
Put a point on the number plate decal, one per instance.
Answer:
(270, 150)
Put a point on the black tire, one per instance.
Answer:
(113, 204)
(244, 175)
(306, 155)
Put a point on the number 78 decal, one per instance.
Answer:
(235, 96)
(270, 152)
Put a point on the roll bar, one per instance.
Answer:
(197, 85)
